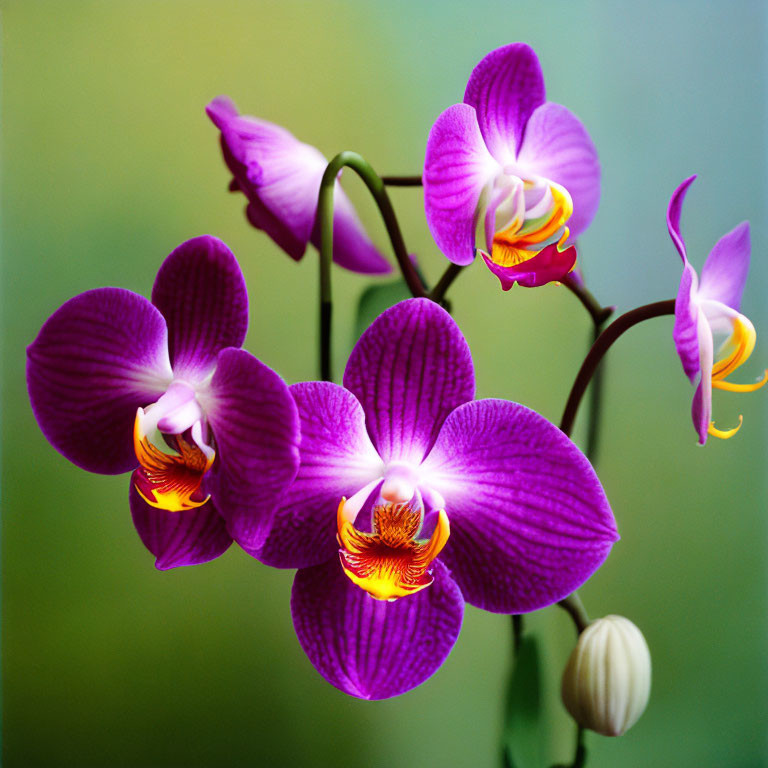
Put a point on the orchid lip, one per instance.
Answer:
(172, 481)
(390, 562)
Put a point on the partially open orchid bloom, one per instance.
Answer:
(522, 167)
(280, 176)
(412, 498)
(708, 308)
(163, 389)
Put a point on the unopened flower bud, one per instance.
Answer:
(607, 680)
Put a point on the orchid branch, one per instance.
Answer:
(325, 211)
(600, 347)
(402, 181)
(438, 292)
(597, 311)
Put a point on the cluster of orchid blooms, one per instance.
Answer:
(396, 494)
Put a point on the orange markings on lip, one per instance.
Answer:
(390, 563)
(169, 481)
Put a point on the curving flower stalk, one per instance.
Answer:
(163, 389)
(412, 498)
(523, 168)
(707, 308)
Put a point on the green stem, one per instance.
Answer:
(444, 283)
(573, 606)
(402, 181)
(595, 404)
(325, 220)
(597, 311)
(600, 347)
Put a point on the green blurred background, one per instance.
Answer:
(109, 162)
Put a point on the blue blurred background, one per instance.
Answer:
(109, 162)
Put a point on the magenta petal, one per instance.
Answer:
(558, 147)
(352, 248)
(529, 519)
(701, 408)
(725, 271)
(456, 169)
(179, 538)
(409, 370)
(685, 332)
(96, 360)
(368, 648)
(256, 434)
(337, 460)
(505, 88)
(673, 216)
(547, 265)
(201, 292)
(280, 176)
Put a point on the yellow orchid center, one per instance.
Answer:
(169, 481)
(390, 562)
(738, 348)
(517, 242)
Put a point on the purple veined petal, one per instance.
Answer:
(369, 648)
(529, 519)
(352, 248)
(548, 265)
(701, 408)
(337, 460)
(201, 292)
(558, 147)
(505, 88)
(685, 333)
(98, 358)
(725, 271)
(179, 538)
(457, 168)
(281, 176)
(409, 370)
(256, 431)
(673, 216)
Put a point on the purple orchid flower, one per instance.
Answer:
(709, 307)
(518, 163)
(412, 498)
(115, 381)
(281, 176)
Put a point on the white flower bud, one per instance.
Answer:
(607, 680)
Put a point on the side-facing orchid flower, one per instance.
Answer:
(280, 176)
(164, 390)
(412, 498)
(518, 164)
(707, 308)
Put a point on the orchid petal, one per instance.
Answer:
(529, 519)
(409, 370)
(256, 431)
(673, 216)
(337, 460)
(558, 147)
(701, 408)
(201, 292)
(98, 358)
(505, 88)
(457, 167)
(189, 537)
(280, 176)
(369, 648)
(685, 332)
(725, 271)
(549, 264)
